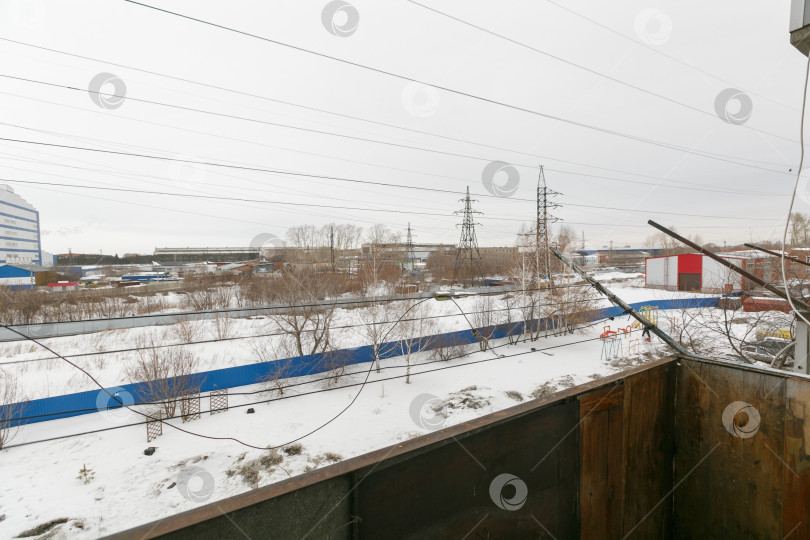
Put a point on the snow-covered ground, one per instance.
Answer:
(40, 480)
(122, 487)
(52, 376)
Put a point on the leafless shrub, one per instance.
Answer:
(484, 319)
(334, 362)
(222, 326)
(166, 373)
(279, 366)
(566, 308)
(186, 330)
(10, 408)
(449, 346)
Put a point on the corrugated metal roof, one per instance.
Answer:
(10, 271)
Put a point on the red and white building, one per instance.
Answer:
(692, 272)
(697, 272)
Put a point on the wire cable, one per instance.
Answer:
(324, 111)
(793, 197)
(336, 387)
(255, 336)
(316, 304)
(718, 157)
(658, 51)
(591, 71)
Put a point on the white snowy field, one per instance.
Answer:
(123, 487)
(128, 488)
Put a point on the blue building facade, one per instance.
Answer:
(16, 278)
(20, 241)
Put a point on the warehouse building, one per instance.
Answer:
(16, 278)
(19, 229)
(693, 272)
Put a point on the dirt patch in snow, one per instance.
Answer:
(43, 528)
(251, 471)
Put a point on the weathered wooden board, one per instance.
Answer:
(796, 473)
(649, 447)
(728, 480)
(600, 450)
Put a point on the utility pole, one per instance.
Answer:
(544, 218)
(467, 254)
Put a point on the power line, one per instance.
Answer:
(273, 334)
(688, 186)
(591, 71)
(665, 55)
(306, 107)
(328, 377)
(287, 126)
(330, 389)
(709, 155)
(308, 175)
(694, 186)
(238, 92)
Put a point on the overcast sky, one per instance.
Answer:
(686, 52)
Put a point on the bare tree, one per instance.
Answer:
(307, 318)
(514, 323)
(334, 362)
(566, 307)
(279, 364)
(484, 319)
(222, 326)
(167, 373)
(416, 332)
(799, 225)
(378, 275)
(377, 327)
(449, 346)
(10, 408)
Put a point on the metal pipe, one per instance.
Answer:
(626, 307)
(778, 292)
(775, 254)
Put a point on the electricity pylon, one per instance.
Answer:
(544, 219)
(468, 257)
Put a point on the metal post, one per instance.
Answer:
(775, 290)
(625, 306)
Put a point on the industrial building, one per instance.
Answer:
(19, 229)
(196, 254)
(608, 255)
(696, 272)
(16, 278)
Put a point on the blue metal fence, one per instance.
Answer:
(53, 408)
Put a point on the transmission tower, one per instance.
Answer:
(468, 257)
(410, 253)
(544, 219)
